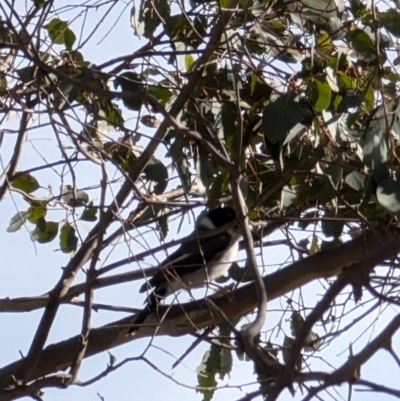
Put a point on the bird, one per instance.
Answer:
(196, 262)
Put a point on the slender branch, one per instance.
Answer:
(86, 250)
(16, 153)
(183, 318)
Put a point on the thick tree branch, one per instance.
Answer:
(85, 252)
(187, 318)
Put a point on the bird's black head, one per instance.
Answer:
(216, 218)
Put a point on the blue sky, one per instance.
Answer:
(32, 269)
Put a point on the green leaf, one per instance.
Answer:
(112, 112)
(216, 360)
(27, 74)
(17, 221)
(60, 33)
(3, 81)
(189, 61)
(177, 26)
(361, 42)
(90, 213)
(324, 95)
(347, 81)
(296, 323)
(68, 239)
(44, 233)
(26, 183)
(162, 94)
(324, 43)
(37, 212)
(253, 81)
(357, 8)
(391, 21)
(369, 100)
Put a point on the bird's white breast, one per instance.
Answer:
(212, 271)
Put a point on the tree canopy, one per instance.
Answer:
(285, 110)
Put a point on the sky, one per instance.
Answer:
(33, 269)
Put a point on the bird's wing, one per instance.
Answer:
(190, 256)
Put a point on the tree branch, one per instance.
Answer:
(189, 317)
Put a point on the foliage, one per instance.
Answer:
(287, 111)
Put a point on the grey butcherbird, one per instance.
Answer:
(196, 262)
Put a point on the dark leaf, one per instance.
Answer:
(287, 351)
(157, 172)
(27, 74)
(280, 116)
(229, 122)
(391, 21)
(131, 84)
(156, 212)
(150, 121)
(148, 16)
(361, 42)
(177, 27)
(217, 360)
(332, 228)
(39, 3)
(240, 275)
(3, 81)
(44, 233)
(296, 323)
(137, 21)
(90, 213)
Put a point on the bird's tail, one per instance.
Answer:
(151, 305)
